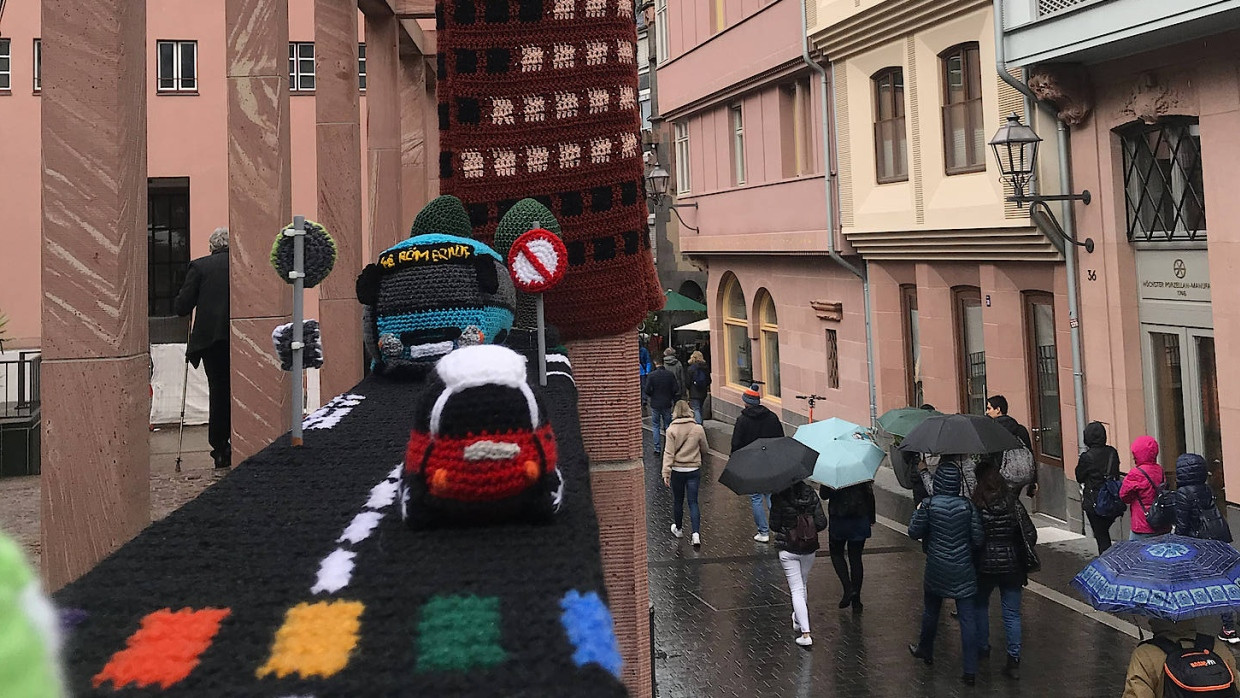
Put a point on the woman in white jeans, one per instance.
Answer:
(796, 519)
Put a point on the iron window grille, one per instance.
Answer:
(301, 66)
(6, 64)
(1163, 189)
(361, 67)
(177, 66)
(38, 65)
(167, 247)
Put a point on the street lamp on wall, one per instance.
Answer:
(1016, 150)
(656, 189)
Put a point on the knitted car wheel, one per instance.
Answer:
(320, 254)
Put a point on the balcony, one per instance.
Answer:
(1092, 31)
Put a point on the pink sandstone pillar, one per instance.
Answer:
(611, 429)
(96, 474)
(940, 365)
(339, 138)
(1004, 329)
(383, 133)
(890, 353)
(259, 206)
(417, 97)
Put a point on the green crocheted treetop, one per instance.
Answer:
(518, 220)
(445, 215)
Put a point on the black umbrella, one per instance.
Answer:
(768, 465)
(959, 433)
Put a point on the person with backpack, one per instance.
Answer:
(682, 468)
(1197, 515)
(950, 529)
(1018, 461)
(1179, 662)
(756, 422)
(671, 362)
(1142, 487)
(796, 519)
(699, 384)
(1097, 466)
(663, 389)
(1004, 561)
(851, 512)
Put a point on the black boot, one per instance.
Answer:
(969, 679)
(856, 602)
(924, 656)
(1012, 670)
(847, 598)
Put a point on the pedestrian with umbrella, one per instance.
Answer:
(908, 466)
(1172, 580)
(950, 529)
(756, 422)
(780, 465)
(955, 437)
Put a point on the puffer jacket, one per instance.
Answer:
(1137, 491)
(1097, 464)
(686, 443)
(1192, 494)
(949, 528)
(786, 506)
(1007, 525)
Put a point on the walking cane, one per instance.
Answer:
(184, 387)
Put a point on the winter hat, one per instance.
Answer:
(753, 396)
(669, 352)
(444, 215)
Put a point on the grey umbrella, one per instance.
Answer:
(768, 465)
(959, 433)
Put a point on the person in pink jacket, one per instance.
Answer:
(1141, 485)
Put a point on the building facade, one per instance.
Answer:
(744, 112)
(1151, 92)
(968, 296)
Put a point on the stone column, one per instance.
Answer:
(339, 139)
(259, 206)
(415, 101)
(388, 223)
(95, 492)
(611, 430)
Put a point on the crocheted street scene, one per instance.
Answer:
(434, 292)
(482, 449)
(312, 352)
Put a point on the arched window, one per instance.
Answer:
(736, 335)
(769, 328)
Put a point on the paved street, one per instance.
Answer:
(722, 620)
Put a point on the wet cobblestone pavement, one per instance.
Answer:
(722, 621)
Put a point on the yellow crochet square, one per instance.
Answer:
(315, 639)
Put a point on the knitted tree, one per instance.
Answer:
(444, 215)
(520, 218)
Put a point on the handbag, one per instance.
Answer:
(1161, 513)
(1017, 468)
(1032, 562)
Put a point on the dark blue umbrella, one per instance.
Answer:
(1168, 577)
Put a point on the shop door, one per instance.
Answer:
(1182, 396)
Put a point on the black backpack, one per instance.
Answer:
(699, 376)
(1195, 672)
(1161, 514)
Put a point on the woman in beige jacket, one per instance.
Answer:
(682, 463)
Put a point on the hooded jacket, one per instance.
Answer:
(1137, 491)
(1192, 494)
(686, 442)
(1097, 464)
(786, 506)
(756, 422)
(949, 528)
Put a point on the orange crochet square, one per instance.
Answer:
(165, 648)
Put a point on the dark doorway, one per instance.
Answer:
(167, 256)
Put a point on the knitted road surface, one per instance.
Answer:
(294, 576)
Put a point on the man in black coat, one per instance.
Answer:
(662, 392)
(756, 422)
(997, 409)
(206, 288)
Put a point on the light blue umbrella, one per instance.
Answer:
(846, 454)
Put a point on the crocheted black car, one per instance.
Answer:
(481, 449)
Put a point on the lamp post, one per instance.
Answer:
(656, 189)
(1016, 150)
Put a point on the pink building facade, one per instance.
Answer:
(744, 112)
(187, 152)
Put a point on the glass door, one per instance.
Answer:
(1045, 421)
(1182, 406)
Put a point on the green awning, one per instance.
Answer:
(677, 302)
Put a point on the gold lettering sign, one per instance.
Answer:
(442, 253)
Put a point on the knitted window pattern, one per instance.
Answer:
(538, 99)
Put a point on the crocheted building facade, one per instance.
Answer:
(538, 98)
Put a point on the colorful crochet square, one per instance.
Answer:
(165, 648)
(458, 633)
(538, 100)
(315, 640)
(587, 622)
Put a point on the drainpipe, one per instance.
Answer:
(828, 136)
(1069, 221)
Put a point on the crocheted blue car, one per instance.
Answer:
(431, 294)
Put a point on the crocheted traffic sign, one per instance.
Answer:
(537, 260)
(320, 254)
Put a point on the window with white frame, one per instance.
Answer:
(177, 66)
(361, 67)
(301, 66)
(682, 157)
(38, 65)
(738, 143)
(6, 64)
(1164, 188)
(660, 30)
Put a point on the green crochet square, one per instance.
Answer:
(457, 633)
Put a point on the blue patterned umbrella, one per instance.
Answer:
(1168, 577)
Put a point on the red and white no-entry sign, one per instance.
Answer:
(537, 260)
